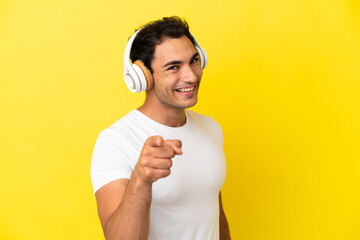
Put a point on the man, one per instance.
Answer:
(158, 171)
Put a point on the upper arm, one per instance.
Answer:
(109, 197)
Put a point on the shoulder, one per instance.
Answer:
(201, 118)
(122, 128)
(126, 122)
(119, 136)
(206, 122)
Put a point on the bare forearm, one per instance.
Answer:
(131, 220)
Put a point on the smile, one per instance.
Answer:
(185, 89)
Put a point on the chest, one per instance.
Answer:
(196, 174)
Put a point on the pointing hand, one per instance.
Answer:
(155, 158)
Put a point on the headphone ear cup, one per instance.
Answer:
(148, 77)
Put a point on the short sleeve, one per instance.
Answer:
(110, 159)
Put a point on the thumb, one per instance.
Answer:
(155, 141)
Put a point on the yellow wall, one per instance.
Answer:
(282, 80)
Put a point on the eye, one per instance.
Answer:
(174, 67)
(195, 60)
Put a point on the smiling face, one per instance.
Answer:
(177, 73)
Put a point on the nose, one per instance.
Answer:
(191, 74)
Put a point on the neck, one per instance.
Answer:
(172, 117)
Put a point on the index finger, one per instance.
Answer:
(175, 145)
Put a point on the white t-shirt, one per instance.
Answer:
(185, 204)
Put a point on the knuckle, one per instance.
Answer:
(146, 152)
(145, 162)
(148, 172)
(170, 163)
(167, 172)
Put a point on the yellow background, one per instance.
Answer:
(282, 80)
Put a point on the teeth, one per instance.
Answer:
(185, 89)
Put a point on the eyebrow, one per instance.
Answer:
(179, 62)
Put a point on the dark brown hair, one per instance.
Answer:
(155, 33)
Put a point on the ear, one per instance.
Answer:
(147, 74)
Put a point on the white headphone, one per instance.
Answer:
(138, 78)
